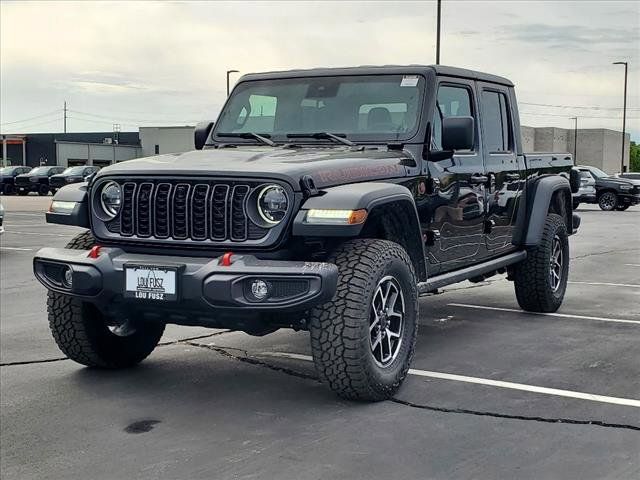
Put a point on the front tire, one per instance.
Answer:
(43, 190)
(608, 201)
(541, 280)
(84, 334)
(364, 339)
(622, 208)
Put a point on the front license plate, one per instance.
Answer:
(151, 282)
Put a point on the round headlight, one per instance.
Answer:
(272, 204)
(111, 199)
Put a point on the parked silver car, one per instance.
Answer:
(587, 191)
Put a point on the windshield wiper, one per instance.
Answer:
(261, 138)
(330, 136)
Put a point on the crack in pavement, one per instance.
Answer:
(59, 359)
(622, 250)
(261, 363)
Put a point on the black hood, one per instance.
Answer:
(328, 166)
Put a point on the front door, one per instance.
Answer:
(457, 201)
(502, 167)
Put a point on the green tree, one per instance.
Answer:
(634, 157)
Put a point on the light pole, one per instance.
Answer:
(624, 112)
(229, 72)
(438, 33)
(575, 140)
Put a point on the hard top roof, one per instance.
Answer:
(383, 69)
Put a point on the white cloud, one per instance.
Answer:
(166, 61)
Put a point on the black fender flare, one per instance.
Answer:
(79, 216)
(373, 197)
(539, 195)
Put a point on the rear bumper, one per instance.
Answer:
(202, 284)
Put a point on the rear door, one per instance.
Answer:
(457, 200)
(500, 159)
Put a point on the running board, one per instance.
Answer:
(469, 272)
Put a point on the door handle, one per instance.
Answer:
(478, 179)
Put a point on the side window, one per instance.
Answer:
(495, 122)
(452, 101)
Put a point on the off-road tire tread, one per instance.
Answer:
(531, 279)
(77, 333)
(335, 326)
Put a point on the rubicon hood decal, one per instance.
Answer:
(327, 166)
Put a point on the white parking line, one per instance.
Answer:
(41, 215)
(608, 284)
(17, 248)
(39, 234)
(629, 402)
(632, 264)
(562, 315)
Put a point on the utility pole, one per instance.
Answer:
(624, 113)
(229, 72)
(575, 140)
(438, 33)
(65, 116)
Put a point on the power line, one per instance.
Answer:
(581, 116)
(126, 119)
(575, 106)
(32, 118)
(23, 127)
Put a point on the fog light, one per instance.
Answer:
(67, 280)
(260, 289)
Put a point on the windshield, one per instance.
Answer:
(39, 171)
(361, 108)
(597, 172)
(74, 171)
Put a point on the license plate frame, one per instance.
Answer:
(154, 287)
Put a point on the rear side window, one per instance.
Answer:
(495, 122)
(452, 102)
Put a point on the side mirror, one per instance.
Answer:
(201, 134)
(457, 133)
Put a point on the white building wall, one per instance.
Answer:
(94, 154)
(167, 139)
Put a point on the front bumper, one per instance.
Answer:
(629, 198)
(202, 284)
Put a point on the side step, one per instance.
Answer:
(469, 272)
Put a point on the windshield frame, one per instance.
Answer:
(358, 138)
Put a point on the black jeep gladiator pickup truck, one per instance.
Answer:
(325, 200)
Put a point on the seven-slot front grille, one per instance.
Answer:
(186, 211)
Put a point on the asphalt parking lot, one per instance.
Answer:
(494, 392)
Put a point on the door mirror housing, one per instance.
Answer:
(201, 134)
(457, 133)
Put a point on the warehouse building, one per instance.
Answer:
(68, 149)
(160, 140)
(597, 147)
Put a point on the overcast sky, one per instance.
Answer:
(164, 63)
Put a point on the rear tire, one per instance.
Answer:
(541, 280)
(82, 332)
(364, 339)
(608, 201)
